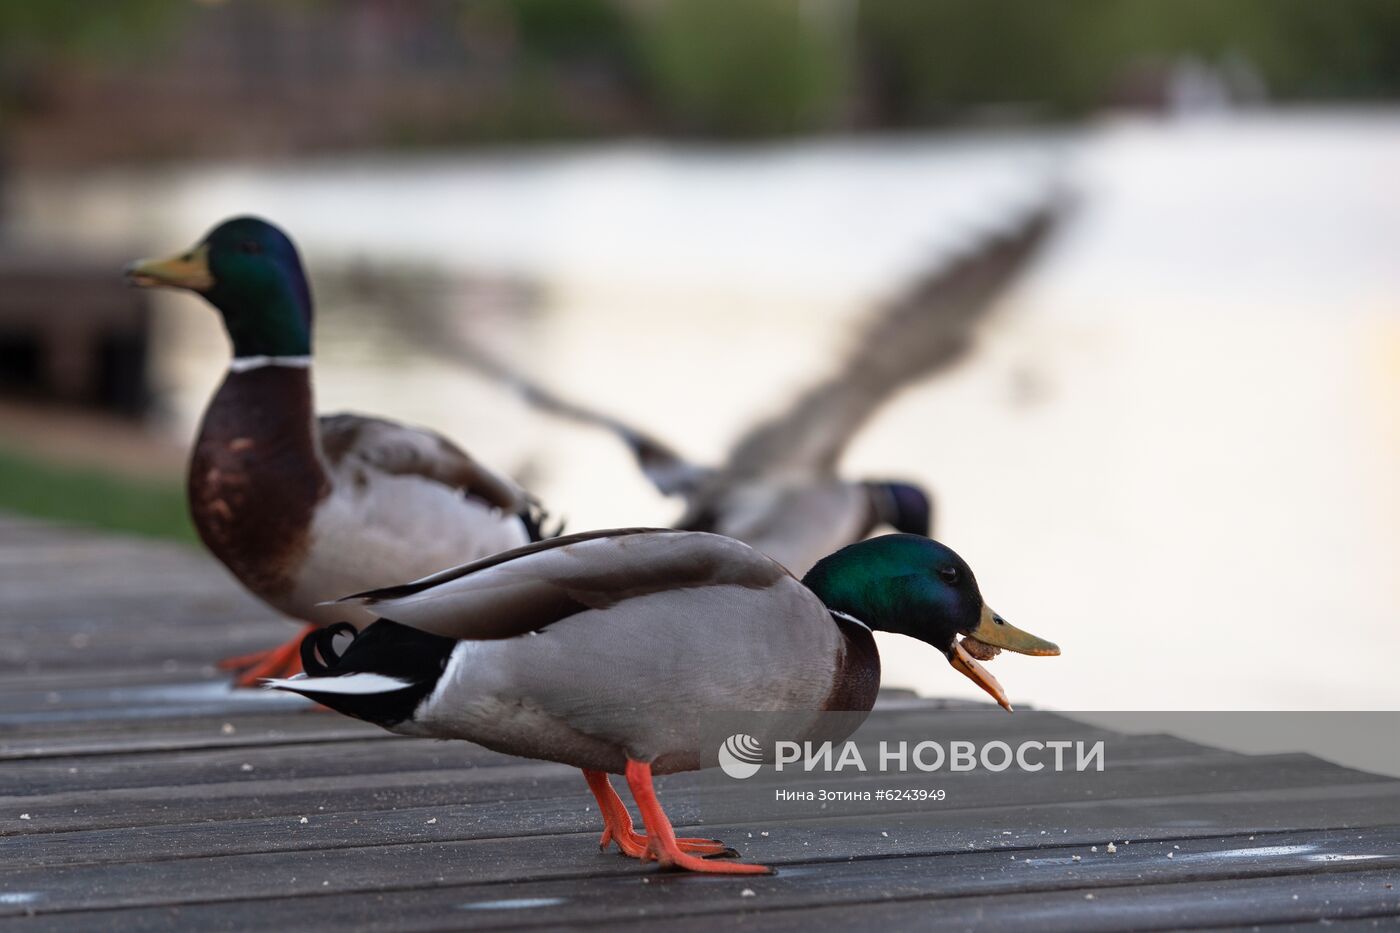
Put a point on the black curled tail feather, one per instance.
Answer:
(322, 642)
(386, 648)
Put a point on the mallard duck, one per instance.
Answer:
(604, 650)
(304, 509)
(779, 489)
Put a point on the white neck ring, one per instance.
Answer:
(241, 364)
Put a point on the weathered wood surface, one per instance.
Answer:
(137, 792)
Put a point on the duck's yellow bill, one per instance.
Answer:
(967, 665)
(993, 633)
(188, 270)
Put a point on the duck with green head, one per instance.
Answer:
(304, 509)
(606, 650)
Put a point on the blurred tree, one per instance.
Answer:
(434, 72)
(932, 60)
(745, 66)
(37, 35)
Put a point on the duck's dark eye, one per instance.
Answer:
(250, 247)
(949, 574)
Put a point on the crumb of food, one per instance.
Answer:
(1088, 897)
(748, 892)
(432, 821)
(979, 649)
(885, 834)
(1171, 855)
(1074, 858)
(763, 833)
(1111, 848)
(24, 816)
(303, 820)
(228, 728)
(1093, 848)
(245, 767)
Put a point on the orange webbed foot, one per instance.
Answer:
(617, 826)
(282, 661)
(661, 841)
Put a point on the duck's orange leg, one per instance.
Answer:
(662, 843)
(617, 825)
(282, 661)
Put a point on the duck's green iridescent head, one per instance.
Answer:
(915, 586)
(251, 272)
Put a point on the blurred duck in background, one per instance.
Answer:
(304, 509)
(779, 489)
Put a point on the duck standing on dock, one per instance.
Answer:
(779, 489)
(304, 509)
(605, 650)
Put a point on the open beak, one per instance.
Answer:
(992, 634)
(188, 270)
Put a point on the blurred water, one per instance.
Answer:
(1174, 451)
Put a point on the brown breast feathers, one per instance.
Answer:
(256, 476)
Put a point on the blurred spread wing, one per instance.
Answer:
(667, 470)
(924, 330)
(528, 588)
(401, 450)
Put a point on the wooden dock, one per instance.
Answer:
(72, 331)
(138, 793)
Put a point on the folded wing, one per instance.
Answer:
(398, 449)
(526, 589)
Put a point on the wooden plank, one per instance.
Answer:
(564, 807)
(186, 733)
(1249, 902)
(75, 709)
(514, 781)
(249, 726)
(36, 737)
(337, 887)
(372, 762)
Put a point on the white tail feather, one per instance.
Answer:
(345, 684)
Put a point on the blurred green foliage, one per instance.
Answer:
(81, 27)
(92, 497)
(756, 67)
(938, 58)
(744, 66)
